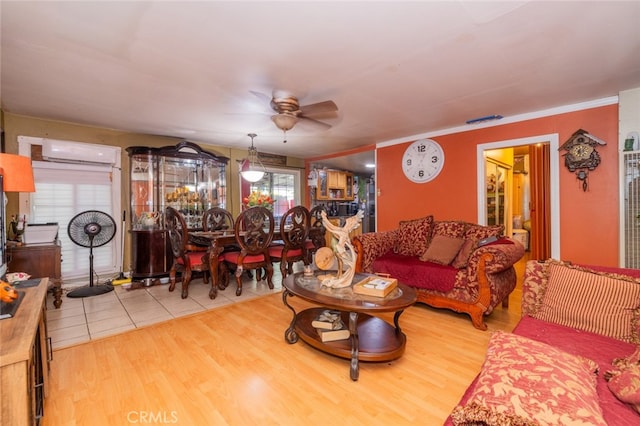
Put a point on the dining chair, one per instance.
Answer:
(294, 231)
(217, 219)
(187, 257)
(317, 231)
(253, 232)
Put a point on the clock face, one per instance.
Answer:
(581, 151)
(422, 161)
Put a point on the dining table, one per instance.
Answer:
(218, 240)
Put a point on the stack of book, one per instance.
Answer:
(330, 326)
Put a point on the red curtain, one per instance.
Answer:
(539, 206)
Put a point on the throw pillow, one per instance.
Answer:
(413, 236)
(462, 258)
(582, 299)
(442, 250)
(480, 232)
(526, 382)
(449, 228)
(624, 380)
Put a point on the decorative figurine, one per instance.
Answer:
(8, 293)
(343, 251)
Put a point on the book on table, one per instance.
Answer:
(328, 320)
(333, 335)
(375, 286)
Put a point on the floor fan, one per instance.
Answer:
(91, 229)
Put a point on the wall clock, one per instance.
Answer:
(581, 156)
(423, 161)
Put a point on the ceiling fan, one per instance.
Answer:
(289, 112)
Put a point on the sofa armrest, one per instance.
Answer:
(371, 245)
(505, 254)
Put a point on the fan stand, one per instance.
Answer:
(90, 290)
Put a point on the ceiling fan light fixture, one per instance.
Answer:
(254, 169)
(284, 121)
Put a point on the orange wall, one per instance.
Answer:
(588, 220)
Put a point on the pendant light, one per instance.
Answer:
(254, 170)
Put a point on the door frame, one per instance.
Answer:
(554, 180)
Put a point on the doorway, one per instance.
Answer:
(549, 232)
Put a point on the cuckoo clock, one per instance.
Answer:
(581, 156)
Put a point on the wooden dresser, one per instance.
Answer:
(24, 360)
(39, 261)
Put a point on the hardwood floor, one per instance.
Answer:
(232, 366)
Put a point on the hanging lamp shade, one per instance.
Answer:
(252, 168)
(284, 121)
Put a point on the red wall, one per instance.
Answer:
(588, 220)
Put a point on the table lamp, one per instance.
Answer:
(17, 172)
(17, 175)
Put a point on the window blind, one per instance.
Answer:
(62, 192)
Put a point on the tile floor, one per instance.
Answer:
(82, 319)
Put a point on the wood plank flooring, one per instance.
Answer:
(232, 366)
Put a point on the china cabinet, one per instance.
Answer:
(184, 177)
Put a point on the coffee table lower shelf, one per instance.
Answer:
(377, 340)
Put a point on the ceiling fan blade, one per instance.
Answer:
(310, 122)
(320, 107)
(264, 98)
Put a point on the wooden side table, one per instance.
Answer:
(39, 260)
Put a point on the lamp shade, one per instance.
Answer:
(284, 121)
(17, 173)
(252, 169)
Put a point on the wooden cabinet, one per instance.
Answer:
(39, 261)
(184, 177)
(348, 191)
(24, 360)
(147, 258)
(334, 185)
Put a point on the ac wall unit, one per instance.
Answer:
(71, 152)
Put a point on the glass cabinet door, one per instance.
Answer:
(191, 188)
(144, 195)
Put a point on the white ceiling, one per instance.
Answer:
(204, 71)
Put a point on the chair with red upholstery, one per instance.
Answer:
(253, 231)
(187, 257)
(317, 232)
(294, 230)
(217, 219)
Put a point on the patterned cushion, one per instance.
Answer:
(462, 258)
(526, 382)
(442, 250)
(624, 379)
(590, 301)
(449, 228)
(480, 232)
(413, 236)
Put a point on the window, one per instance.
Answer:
(63, 191)
(283, 185)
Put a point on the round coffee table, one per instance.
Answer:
(371, 338)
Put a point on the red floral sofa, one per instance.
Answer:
(574, 357)
(446, 263)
